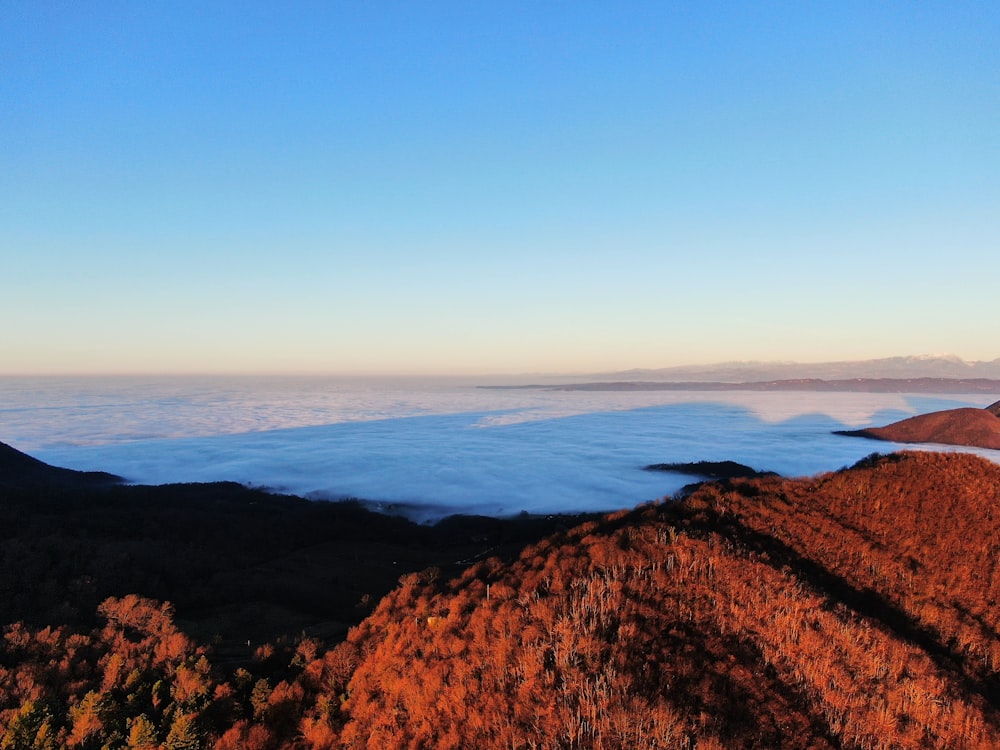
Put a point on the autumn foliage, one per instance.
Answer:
(856, 609)
(965, 426)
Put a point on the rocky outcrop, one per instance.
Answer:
(712, 469)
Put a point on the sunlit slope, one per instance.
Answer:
(856, 609)
(978, 428)
(912, 539)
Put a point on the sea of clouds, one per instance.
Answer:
(428, 448)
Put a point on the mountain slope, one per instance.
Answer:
(979, 428)
(857, 609)
(20, 470)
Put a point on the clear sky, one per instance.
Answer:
(480, 187)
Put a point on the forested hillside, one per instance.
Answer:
(857, 609)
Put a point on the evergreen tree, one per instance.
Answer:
(30, 729)
(184, 733)
(142, 734)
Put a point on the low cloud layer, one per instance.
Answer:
(541, 453)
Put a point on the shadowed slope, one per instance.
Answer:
(238, 563)
(21, 470)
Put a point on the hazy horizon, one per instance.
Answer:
(907, 365)
(494, 189)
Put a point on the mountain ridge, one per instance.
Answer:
(970, 427)
(18, 469)
(755, 613)
(851, 385)
(911, 366)
(857, 609)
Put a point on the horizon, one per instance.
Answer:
(910, 360)
(496, 191)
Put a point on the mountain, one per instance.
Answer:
(925, 366)
(978, 428)
(858, 609)
(851, 385)
(237, 562)
(18, 469)
(854, 610)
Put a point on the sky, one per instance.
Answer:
(516, 187)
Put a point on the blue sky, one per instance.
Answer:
(495, 187)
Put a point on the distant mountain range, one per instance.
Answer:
(914, 374)
(848, 385)
(924, 366)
